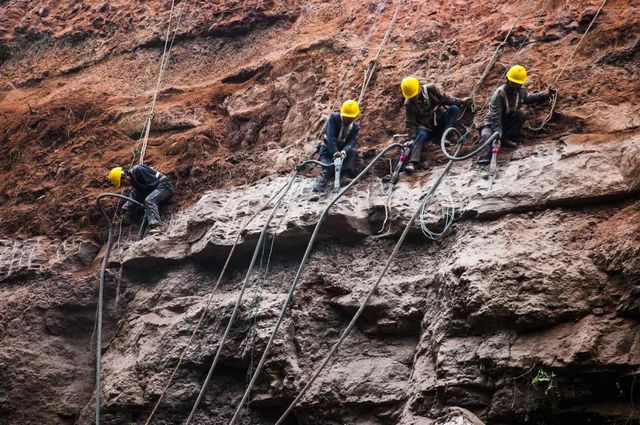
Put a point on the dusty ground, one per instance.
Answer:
(249, 83)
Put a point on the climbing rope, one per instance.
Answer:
(292, 289)
(164, 63)
(564, 67)
(492, 62)
(372, 66)
(373, 289)
(258, 294)
(103, 270)
(554, 98)
(243, 288)
(494, 58)
(208, 303)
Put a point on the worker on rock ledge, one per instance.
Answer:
(339, 139)
(429, 113)
(505, 116)
(149, 187)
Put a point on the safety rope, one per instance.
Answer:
(258, 294)
(208, 303)
(164, 63)
(372, 290)
(292, 289)
(372, 66)
(241, 293)
(494, 58)
(554, 97)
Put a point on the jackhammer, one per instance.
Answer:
(337, 166)
(493, 165)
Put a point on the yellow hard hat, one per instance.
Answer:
(115, 175)
(517, 74)
(410, 87)
(350, 109)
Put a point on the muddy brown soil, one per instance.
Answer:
(250, 82)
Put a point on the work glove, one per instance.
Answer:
(409, 143)
(340, 154)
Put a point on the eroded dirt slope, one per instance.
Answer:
(249, 83)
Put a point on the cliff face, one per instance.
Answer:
(526, 312)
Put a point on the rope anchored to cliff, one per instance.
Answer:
(239, 298)
(164, 63)
(205, 311)
(554, 97)
(427, 198)
(292, 289)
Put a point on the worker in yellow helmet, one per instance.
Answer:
(428, 112)
(505, 115)
(149, 187)
(339, 139)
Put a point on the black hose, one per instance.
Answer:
(469, 155)
(113, 195)
(103, 269)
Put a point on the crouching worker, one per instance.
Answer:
(339, 139)
(429, 112)
(505, 115)
(149, 187)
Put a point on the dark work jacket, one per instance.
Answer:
(337, 136)
(145, 178)
(427, 109)
(506, 101)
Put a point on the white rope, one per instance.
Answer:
(371, 71)
(445, 208)
(164, 63)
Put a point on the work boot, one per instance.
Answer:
(155, 230)
(483, 170)
(320, 184)
(410, 167)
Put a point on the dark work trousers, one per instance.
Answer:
(511, 125)
(423, 134)
(152, 201)
(348, 168)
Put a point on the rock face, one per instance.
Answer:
(527, 311)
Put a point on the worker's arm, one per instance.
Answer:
(531, 99)
(410, 120)
(444, 98)
(495, 111)
(351, 139)
(331, 131)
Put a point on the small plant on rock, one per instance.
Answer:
(544, 380)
